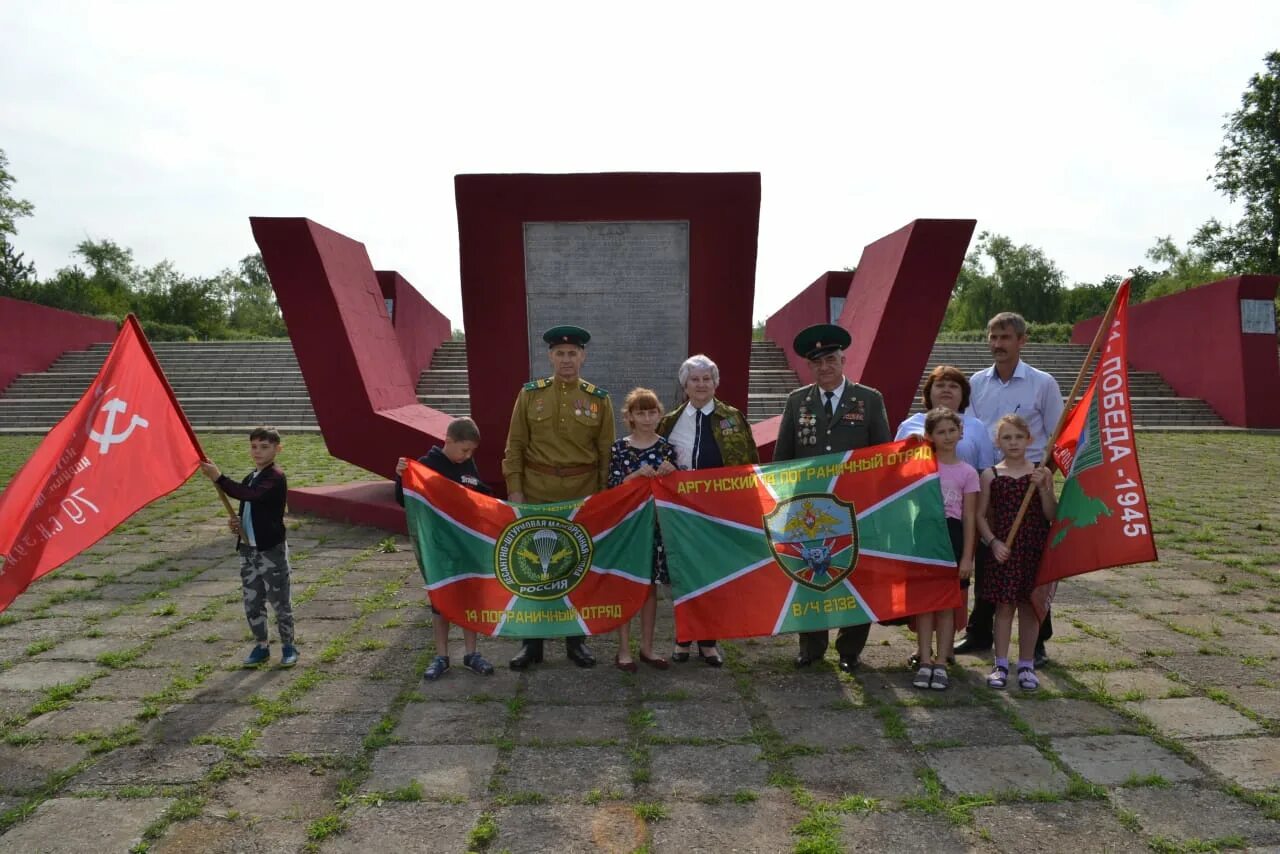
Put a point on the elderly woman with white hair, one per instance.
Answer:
(707, 433)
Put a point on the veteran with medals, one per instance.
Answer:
(830, 416)
(558, 448)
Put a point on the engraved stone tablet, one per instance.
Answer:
(625, 282)
(1258, 315)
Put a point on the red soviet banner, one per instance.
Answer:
(1102, 519)
(122, 446)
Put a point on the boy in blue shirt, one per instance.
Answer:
(454, 461)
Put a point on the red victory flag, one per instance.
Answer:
(1102, 518)
(125, 444)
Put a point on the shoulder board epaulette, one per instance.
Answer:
(534, 385)
(590, 388)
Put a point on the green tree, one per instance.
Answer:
(1184, 268)
(999, 275)
(17, 275)
(253, 309)
(1248, 172)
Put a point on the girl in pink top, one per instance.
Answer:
(960, 488)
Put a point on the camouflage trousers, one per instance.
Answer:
(264, 575)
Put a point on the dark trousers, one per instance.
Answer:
(983, 616)
(535, 644)
(849, 642)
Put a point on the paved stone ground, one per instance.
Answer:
(128, 725)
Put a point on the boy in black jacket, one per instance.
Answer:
(455, 462)
(260, 539)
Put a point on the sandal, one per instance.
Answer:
(940, 680)
(923, 676)
(1027, 679)
(998, 678)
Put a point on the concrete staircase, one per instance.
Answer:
(222, 386)
(233, 385)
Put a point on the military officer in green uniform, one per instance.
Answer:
(830, 416)
(558, 448)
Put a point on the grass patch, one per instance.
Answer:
(483, 834)
(650, 811)
(326, 826)
(39, 647)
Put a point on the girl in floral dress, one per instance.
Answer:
(643, 453)
(1009, 571)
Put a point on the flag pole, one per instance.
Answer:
(1098, 338)
(182, 416)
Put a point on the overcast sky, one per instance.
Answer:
(1085, 129)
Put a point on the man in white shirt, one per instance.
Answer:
(1011, 386)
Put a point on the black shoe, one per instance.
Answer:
(681, 654)
(913, 663)
(712, 660)
(848, 665)
(970, 646)
(1041, 657)
(803, 660)
(579, 654)
(528, 654)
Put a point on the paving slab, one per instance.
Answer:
(786, 691)
(1062, 826)
(1113, 759)
(830, 729)
(576, 686)
(1184, 813)
(149, 765)
(186, 721)
(316, 734)
(218, 836)
(699, 720)
(87, 649)
(894, 686)
(697, 828)
(1252, 762)
(567, 770)
(134, 625)
(131, 683)
(101, 716)
(560, 828)
(406, 828)
(568, 724)
(350, 695)
(1071, 717)
(168, 653)
(16, 703)
(958, 726)
(902, 833)
(887, 772)
(280, 791)
(37, 676)
(76, 825)
(25, 767)
(978, 770)
(1134, 684)
(1260, 700)
(1194, 717)
(436, 722)
(695, 771)
(443, 770)
(242, 684)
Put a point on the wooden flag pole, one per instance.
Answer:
(1103, 329)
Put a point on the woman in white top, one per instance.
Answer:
(948, 386)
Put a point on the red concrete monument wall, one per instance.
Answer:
(783, 325)
(420, 326)
(354, 364)
(894, 309)
(723, 214)
(32, 337)
(1194, 340)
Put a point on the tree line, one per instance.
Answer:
(999, 274)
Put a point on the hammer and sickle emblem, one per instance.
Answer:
(109, 437)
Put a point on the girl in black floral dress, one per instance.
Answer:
(643, 453)
(1009, 569)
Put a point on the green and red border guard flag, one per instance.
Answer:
(122, 446)
(806, 545)
(1102, 518)
(531, 570)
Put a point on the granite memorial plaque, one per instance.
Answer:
(625, 282)
(1258, 316)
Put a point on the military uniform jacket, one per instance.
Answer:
(561, 425)
(858, 421)
(729, 428)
